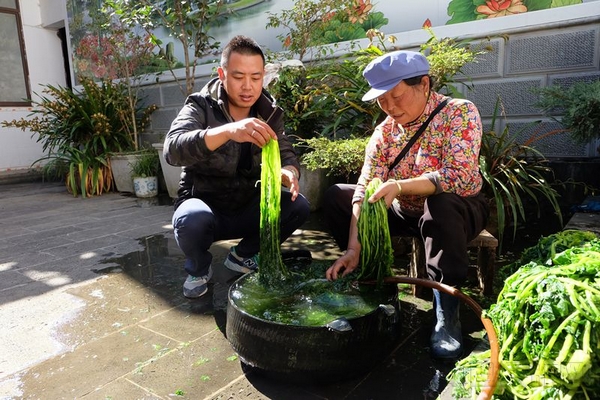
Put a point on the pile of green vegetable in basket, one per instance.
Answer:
(547, 318)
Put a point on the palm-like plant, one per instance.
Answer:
(79, 129)
(512, 173)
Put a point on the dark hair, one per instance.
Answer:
(417, 80)
(242, 45)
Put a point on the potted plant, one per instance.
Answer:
(144, 173)
(110, 49)
(79, 129)
(171, 173)
(189, 23)
(341, 159)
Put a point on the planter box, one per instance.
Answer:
(313, 185)
(171, 174)
(121, 171)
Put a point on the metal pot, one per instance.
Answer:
(344, 348)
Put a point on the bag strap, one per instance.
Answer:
(416, 135)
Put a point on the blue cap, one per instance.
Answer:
(388, 70)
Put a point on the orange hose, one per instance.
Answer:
(490, 386)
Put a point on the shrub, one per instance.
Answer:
(580, 106)
(341, 158)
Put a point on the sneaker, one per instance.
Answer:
(241, 264)
(196, 286)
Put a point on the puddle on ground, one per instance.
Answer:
(159, 267)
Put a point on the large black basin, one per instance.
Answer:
(341, 349)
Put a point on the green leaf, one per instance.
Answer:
(535, 5)
(461, 11)
(561, 3)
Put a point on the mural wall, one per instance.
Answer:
(410, 15)
(394, 17)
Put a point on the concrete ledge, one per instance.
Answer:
(588, 218)
(20, 176)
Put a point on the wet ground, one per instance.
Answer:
(91, 307)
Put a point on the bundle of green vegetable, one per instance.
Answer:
(547, 318)
(272, 270)
(376, 255)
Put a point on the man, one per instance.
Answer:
(217, 138)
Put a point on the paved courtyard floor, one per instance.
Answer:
(91, 308)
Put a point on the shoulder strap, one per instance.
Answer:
(416, 135)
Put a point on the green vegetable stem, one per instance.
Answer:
(376, 254)
(272, 270)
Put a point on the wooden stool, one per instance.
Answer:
(486, 245)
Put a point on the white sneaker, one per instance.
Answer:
(196, 286)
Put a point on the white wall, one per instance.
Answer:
(44, 58)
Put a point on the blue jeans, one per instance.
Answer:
(197, 227)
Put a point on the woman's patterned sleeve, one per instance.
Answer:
(460, 170)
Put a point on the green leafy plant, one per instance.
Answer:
(79, 129)
(311, 23)
(187, 21)
(112, 50)
(579, 105)
(447, 57)
(546, 331)
(341, 158)
(290, 86)
(337, 93)
(146, 165)
(514, 172)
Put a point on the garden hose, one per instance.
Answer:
(492, 379)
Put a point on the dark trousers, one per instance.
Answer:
(197, 227)
(449, 222)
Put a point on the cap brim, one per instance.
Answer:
(374, 93)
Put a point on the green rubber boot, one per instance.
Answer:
(446, 338)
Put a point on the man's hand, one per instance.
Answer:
(251, 130)
(289, 180)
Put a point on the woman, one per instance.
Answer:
(432, 191)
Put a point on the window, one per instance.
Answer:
(14, 83)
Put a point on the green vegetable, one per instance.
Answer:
(548, 323)
(376, 255)
(272, 270)
(546, 248)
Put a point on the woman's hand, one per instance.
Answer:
(388, 190)
(345, 264)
